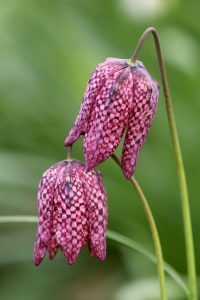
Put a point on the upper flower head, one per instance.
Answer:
(72, 207)
(119, 95)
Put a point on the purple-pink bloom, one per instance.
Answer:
(119, 96)
(72, 208)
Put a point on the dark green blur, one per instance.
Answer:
(48, 50)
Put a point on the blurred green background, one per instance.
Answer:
(48, 50)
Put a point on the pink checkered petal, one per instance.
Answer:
(71, 217)
(98, 216)
(145, 98)
(45, 199)
(109, 118)
(101, 73)
(52, 247)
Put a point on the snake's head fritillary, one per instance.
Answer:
(72, 207)
(120, 95)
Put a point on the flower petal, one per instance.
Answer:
(98, 215)
(101, 73)
(70, 220)
(145, 98)
(45, 205)
(109, 118)
(52, 247)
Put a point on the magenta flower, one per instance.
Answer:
(72, 207)
(119, 95)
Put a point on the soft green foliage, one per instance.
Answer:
(47, 52)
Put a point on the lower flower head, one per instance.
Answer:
(72, 207)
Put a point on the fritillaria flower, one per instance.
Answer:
(120, 96)
(72, 206)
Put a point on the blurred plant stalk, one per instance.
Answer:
(113, 236)
(154, 232)
(192, 282)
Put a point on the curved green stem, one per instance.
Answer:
(133, 245)
(180, 166)
(154, 232)
(113, 236)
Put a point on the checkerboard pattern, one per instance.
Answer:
(72, 206)
(120, 95)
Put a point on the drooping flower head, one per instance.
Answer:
(72, 207)
(119, 95)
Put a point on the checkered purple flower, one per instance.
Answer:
(72, 207)
(119, 96)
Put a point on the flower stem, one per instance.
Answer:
(113, 236)
(154, 232)
(180, 166)
(69, 153)
(133, 245)
(18, 219)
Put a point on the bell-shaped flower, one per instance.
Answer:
(72, 208)
(120, 95)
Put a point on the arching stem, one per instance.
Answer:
(180, 166)
(154, 232)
